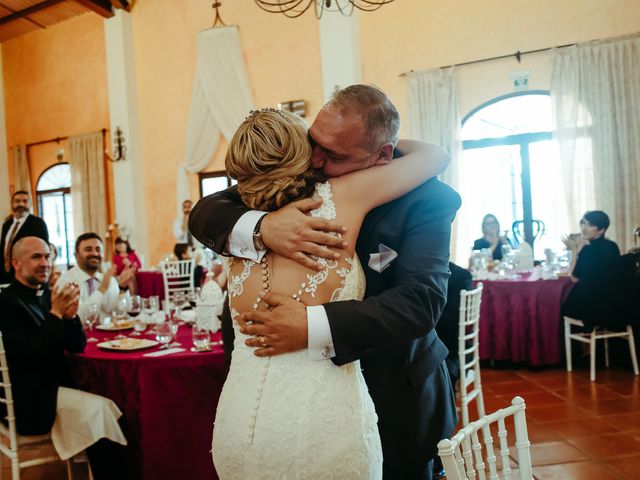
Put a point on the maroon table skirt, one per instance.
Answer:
(148, 283)
(520, 321)
(169, 404)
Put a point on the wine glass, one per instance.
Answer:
(179, 299)
(91, 318)
(135, 307)
(120, 313)
(201, 338)
(174, 320)
(150, 306)
(164, 334)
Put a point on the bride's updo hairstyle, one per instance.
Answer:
(270, 156)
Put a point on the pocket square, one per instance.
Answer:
(381, 260)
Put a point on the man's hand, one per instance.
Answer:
(281, 329)
(126, 275)
(104, 285)
(65, 301)
(292, 234)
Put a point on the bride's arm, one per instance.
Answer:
(379, 184)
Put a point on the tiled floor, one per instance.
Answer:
(578, 429)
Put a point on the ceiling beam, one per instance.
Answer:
(101, 7)
(123, 4)
(28, 11)
(26, 18)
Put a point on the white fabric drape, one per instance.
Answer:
(220, 100)
(434, 117)
(88, 191)
(595, 89)
(21, 173)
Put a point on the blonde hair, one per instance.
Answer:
(270, 156)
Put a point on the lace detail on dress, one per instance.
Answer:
(236, 282)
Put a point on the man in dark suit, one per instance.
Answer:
(392, 330)
(20, 224)
(37, 327)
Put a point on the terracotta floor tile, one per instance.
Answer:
(606, 446)
(593, 391)
(627, 389)
(623, 420)
(555, 452)
(536, 399)
(587, 470)
(552, 413)
(612, 406)
(627, 466)
(498, 376)
(511, 389)
(579, 427)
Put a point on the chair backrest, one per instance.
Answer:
(464, 457)
(6, 398)
(177, 277)
(538, 228)
(468, 326)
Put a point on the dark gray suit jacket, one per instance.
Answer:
(33, 227)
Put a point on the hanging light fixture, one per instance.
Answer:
(295, 8)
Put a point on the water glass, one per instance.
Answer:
(201, 337)
(91, 318)
(164, 335)
(506, 249)
(151, 305)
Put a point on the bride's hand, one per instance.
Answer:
(281, 329)
(292, 234)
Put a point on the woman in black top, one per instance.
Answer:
(594, 263)
(491, 238)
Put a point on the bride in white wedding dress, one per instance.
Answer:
(286, 416)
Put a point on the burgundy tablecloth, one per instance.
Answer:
(168, 403)
(520, 320)
(149, 283)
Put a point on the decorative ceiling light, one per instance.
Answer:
(295, 8)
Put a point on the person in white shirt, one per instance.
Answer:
(181, 225)
(95, 287)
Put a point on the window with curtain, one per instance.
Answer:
(510, 167)
(212, 182)
(53, 193)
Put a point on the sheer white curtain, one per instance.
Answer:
(220, 100)
(88, 191)
(21, 173)
(595, 89)
(434, 117)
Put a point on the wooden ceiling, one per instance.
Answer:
(18, 17)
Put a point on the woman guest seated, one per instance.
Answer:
(594, 260)
(184, 251)
(491, 237)
(123, 257)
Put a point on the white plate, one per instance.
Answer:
(128, 344)
(110, 327)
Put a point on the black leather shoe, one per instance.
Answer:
(439, 473)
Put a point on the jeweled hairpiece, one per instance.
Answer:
(253, 113)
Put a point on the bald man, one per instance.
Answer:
(37, 327)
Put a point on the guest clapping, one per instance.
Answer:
(491, 237)
(125, 256)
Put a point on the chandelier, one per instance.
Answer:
(295, 8)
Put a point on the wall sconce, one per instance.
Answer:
(60, 155)
(119, 148)
(299, 107)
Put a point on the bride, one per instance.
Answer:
(287, 417)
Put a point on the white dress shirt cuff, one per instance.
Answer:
(241, 238)
(319, 336)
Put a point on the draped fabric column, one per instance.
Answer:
(88, 191)
(434, 117)
(595, 90)
(21, 173)
(221, 99)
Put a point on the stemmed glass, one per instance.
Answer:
(120, 314)
(135, 307)
(179, 299)
(150, 306)
(91, 318)
(164, 334)
(174, 322)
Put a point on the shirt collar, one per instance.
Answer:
(83, 276)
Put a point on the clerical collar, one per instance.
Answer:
(25, 290)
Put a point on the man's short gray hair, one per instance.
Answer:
(380, 116)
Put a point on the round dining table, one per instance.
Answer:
(520, 319)
(168, 402)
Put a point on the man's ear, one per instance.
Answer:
(385, 154)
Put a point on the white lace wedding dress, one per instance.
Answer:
(289, 417)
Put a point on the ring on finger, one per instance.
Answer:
(263, 341)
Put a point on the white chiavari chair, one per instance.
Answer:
(178, 277)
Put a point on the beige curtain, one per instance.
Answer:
(88, 192)
(595, 88)
(21, 174)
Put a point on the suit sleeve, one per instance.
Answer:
(214, 216)
(42, 230)
(410, 303)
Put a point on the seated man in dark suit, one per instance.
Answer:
(37, 327)
(20, 224)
